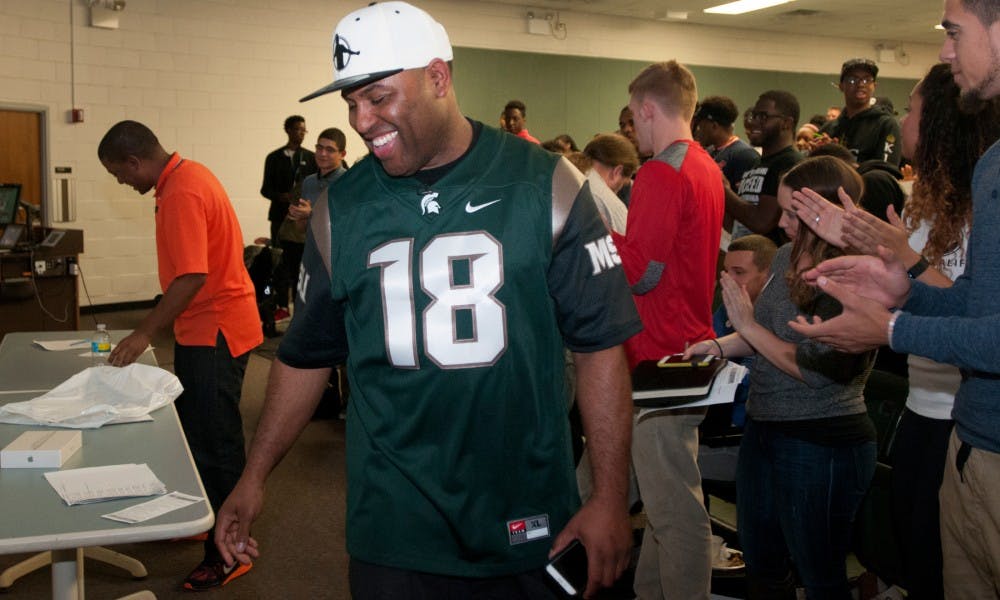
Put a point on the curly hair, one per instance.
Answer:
(951, 140)
(823, 175)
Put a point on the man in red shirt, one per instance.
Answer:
(208, 298)
(669, 253)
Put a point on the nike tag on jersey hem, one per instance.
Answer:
(527, 529)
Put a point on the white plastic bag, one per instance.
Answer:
(98, 396)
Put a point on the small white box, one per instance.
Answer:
(40, 449)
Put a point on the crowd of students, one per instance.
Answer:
(808, 450)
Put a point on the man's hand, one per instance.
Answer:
(603, 529)
(300, 211)
(232, 524)
(864, 324)
(129, 349)
(882, 278)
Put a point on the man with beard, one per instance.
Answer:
(754, 205)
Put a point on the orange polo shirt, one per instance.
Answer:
(197, 232)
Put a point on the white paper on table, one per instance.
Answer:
(59, 345)
(112, 482)
(723, 391)
(153, 508)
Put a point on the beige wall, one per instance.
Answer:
(216, 78)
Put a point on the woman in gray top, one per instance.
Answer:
(808, 449)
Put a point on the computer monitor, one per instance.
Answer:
(9, 195)
(11, 236)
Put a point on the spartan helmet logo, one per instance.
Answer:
(429, 204)
(342, 52)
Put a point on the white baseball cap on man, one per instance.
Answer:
(383, 39)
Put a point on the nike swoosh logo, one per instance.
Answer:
(469, 208)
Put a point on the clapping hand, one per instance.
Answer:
(825, 218)
(737, 301)
(866, 232)
(880, 278)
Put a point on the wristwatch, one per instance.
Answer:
(918, 269)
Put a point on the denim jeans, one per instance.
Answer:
(209, 412)
(796, 502)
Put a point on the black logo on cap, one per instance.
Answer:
(342, 52)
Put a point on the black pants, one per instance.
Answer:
(286, 277)
(209, 411)
(375, 582)
(918, 455)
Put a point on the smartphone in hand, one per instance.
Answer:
(569, 568)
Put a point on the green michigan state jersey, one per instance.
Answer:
(459, 299)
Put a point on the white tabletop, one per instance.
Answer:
(33, 517)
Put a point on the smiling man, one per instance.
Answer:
(870, 131)
(754, 204)
(462, 259)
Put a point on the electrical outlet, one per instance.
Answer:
(39, 267)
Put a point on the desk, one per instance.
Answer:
(38, 290)
(36, 519)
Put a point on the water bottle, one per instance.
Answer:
(100, 346)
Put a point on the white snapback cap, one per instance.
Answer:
(383, 39)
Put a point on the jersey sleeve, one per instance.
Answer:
(594, 305)
(316, 337)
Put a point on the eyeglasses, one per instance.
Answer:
(859, 80)
(328, 149)
(763, 116)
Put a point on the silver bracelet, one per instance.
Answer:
(892, 325)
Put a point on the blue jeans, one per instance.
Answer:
(796, 502)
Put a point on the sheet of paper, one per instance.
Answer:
(59, 345)
(153, 508)
(723, 391)
(96, 484)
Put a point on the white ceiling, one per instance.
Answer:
(876, 20)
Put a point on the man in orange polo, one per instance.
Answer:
(209, 299)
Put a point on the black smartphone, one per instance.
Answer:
(569, 568)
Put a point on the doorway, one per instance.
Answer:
(21, 152)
